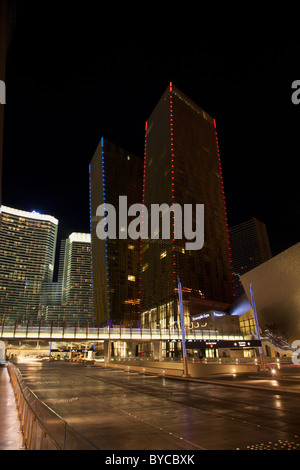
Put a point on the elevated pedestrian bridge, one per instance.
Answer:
(61, 333)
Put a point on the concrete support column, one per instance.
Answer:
(157, 351)
(3, 347)
(107, 350)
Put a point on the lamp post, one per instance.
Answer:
(185, 363)
(257, 327)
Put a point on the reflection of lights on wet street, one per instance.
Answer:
(30, 360)
(278, 404)
(279, 445)
(178, 413)
(274, 383)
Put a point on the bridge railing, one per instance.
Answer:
(41, 427)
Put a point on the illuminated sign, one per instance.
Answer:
(212, 314)
(204, 315)
(219, 314)
(222, 343)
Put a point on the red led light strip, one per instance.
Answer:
(172, 181)
(225, 210)
(143, 201)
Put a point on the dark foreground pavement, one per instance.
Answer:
(121, 410)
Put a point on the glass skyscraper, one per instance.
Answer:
(115, 172)
(27, 251)
(182, 166)
(75, 302)
(250, 247)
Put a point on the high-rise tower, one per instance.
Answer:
(114, 172)
(250, 247)
(27, 251)
(70, 299)
(74, 282)
(182, 166)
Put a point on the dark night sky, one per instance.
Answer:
(76, 75)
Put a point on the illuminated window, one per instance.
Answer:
(145, 267)
(130, 247)
(131, 278)
(163, 254)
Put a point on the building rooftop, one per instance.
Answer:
(29, 215)
(80, 237)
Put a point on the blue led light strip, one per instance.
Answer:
(92, 270)
(106, 241)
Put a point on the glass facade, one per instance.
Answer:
(27, 250)
(250, 247)
(115, 172)
(248, 326)
(182, 166)
(74, 283)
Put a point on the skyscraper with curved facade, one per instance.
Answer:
(74, 283)
(27, 252)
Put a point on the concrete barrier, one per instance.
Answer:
(175, 369)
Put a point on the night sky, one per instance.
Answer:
(75, 75)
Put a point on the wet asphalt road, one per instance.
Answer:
(120, 410)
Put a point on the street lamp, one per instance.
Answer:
(185, 363)
(257, 327)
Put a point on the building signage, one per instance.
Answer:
(222, 343)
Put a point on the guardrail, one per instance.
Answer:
(42, 428)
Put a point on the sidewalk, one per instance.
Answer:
(10, 437)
